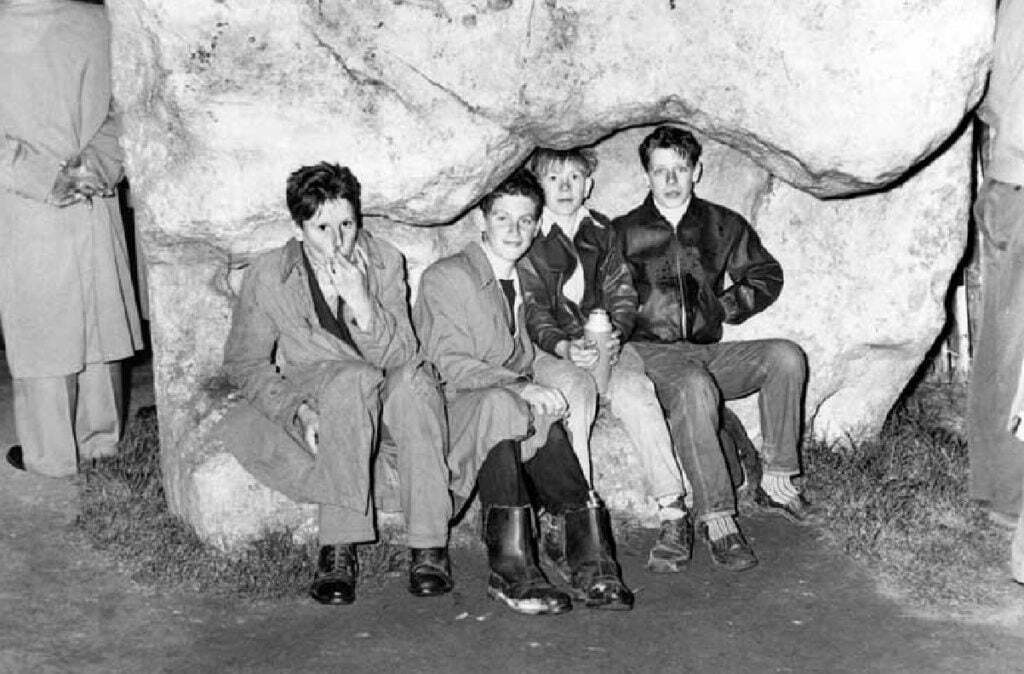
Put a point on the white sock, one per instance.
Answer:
(779, 487)
(721, 526)
(668, 507)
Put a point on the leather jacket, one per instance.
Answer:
(550, 316)
(680, 275)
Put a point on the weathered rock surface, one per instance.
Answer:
(431, 102)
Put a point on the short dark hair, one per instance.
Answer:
(520, 183)
(543, 157)
(310, 186)
(670, 138)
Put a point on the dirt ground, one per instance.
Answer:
(805, 608)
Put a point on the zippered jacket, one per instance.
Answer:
(680, 273)
(552, 317)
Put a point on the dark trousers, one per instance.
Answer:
(552, 478)
(691, 381)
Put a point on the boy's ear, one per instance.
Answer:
(698, 171)
(588, 187)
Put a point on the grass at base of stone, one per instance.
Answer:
(899, 502)
(124, 513)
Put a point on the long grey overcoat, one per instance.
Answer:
(66, 297)
(279, 357)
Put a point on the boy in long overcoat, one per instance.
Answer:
(323, 351)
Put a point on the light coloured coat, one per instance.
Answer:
(66, 297)
(463, 321)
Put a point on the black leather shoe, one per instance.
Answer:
(797, 510)
(14, 457)
(731, 552)
(430, 574)
(674, 546)
(336, 571)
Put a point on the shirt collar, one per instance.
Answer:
(548, 219)
(673, 215)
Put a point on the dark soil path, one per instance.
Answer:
(805, 608)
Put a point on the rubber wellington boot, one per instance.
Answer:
(596, 578)
(515, 578)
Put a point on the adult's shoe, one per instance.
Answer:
(430, 573)
(596, 578)
(674, 545)
(336, 571)
(796, 510)
(15, 458)
(731, 552)
(515, 578)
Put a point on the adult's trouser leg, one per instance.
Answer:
(414, 416)
(99, 413)
(59, 419)
(996, 459)
(343, 525)
(580, 391)
(43, 410)
(692, 400)
(634, 402)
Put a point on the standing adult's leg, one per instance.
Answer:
(99, 413)
(43, 410)
(997, 464)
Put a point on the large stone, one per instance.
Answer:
(432, 102)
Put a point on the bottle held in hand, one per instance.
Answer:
(598, 329)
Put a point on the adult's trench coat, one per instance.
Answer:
(65, 289)
(279, 356)
(464, 325)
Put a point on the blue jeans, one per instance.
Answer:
(692, 380)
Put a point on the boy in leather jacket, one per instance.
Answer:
(679, 249)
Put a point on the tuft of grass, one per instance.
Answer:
(899, 503)
(123, 512)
